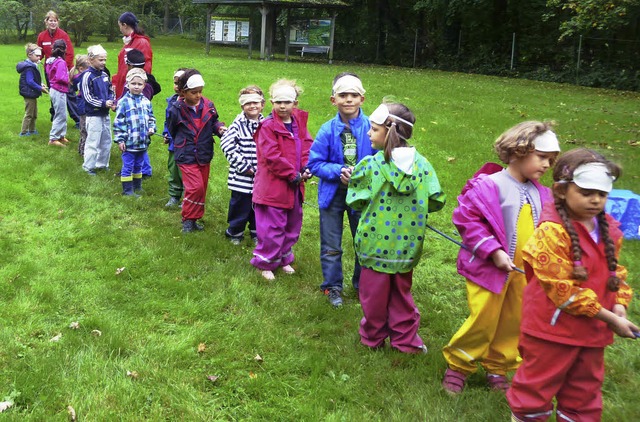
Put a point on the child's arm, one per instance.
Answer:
(120, 126)
(229, 145)
(618, 324)
(359, 194)
(319, 163)
(152, 120)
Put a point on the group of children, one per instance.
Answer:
(545, 290)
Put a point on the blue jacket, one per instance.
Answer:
(96, 90)
(30, 79)
(165, 132)
(134, 118)
(326, 158)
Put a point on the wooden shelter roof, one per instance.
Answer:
(282, 3)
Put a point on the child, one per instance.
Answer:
(58, 76)
(134, 58)
(497, 212)
(132, 126)
(239, 148)
(192, 122)
(99, 99)
(76, 74)
(339, 145)
(175, 178)
(282, 144)
(395, 189)
(31, 87)
(576, 296)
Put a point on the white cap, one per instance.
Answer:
(348, 83)
(284, 93)
(593, 176)
(547, 142)
(194, 81)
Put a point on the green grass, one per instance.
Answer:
(63, 235)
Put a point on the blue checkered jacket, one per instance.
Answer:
(134, 118)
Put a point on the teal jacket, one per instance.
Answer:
(395, 206)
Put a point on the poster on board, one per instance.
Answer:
(310, 32)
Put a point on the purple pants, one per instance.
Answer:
(389, 311)
(278, 229)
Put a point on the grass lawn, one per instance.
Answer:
(188, 307)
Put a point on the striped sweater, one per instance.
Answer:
(238, 146)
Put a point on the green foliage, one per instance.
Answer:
(64, 236)
(586, 16)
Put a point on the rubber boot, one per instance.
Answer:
(127, 189)
(137, 185)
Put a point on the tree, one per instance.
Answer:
(16, 13)
(584, 16)
(83, 18)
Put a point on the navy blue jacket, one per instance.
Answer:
(96, 90)
(30, 79)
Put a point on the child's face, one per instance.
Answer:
(284, 109)
(348, 104)
(532, 166)
(136, 86)
(584, 204)
(192, 96)
(378, 135)
(175, 86)
(35, 56)
(252, 110)
(99, 61)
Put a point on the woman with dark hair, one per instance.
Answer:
(133, 37)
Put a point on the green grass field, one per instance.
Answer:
(188, 307)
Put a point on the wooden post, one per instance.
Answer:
(513, 49)
(578, 61)
(332, 36)
(286, 37)
(415, 48)
(263, 31)
(208, 42)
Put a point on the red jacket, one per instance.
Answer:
(278, 160)
(46, 40)
(139, 42)
(556, 307)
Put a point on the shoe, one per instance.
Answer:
(91, 172)
(34, 132)
(498, 382)
(453, 381)
(64, 140)
(335, 299)
(288, 269)
(173, 201)
(25, 134)
(187, 226)
(254, 240)
(423, 349)
(235, 241)
(56, 143)
(146, 176)
(268, 275)
(77, 125)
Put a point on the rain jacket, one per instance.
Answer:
(134, 118)
(558, 308)
(139, 42)
(46, 40)
(57, 74)
(479, 221)
(395, 205)
(30, 80)
(326, 158)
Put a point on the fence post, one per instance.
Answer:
(578, 61)
(513, 49)
(415, 48)
(459, 41)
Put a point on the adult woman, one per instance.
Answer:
(46, 38)
(133, 37)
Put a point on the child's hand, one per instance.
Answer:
(151, 131)
(619, 310)
(122, 147)
(501, 260)
(166, 138)
(623, 327)
(345, 175)
(306, 174)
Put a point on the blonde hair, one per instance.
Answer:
(82, 60)
(95, 51)
(518, 141)
(51, 14)
(31, 47)
(251, 89)
(285, 82)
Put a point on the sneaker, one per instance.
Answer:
(288, 269)
(64, 140)
(235, 241)
(25, 134)
(335, 299)
(91, 172)
(173, 201)
(56, 143)
(34, 132)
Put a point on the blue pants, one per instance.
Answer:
(331, 222)
(131, 165)
(240, 214)
(146, 165)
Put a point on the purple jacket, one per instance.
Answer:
(479, 221)
(57, 74)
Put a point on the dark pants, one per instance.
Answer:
(240, 214)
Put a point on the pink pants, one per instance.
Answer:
(195, 178)
(389, 311)
(572, 374)
(278, 229)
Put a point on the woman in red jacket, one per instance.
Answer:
(133, 37)
(282, 145)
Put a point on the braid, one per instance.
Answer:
(393, 141)
(579, 271)
(613, 282)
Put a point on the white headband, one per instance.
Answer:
(194, 81)
(593, 176)
(381, 114)
(37, 52)
(178, 74)
(547, 142)
(250, 98)
(284, 93)
(348, 83)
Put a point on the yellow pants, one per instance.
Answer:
(490, 333)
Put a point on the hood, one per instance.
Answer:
(401, 172)
(51, 60)
(21, 66)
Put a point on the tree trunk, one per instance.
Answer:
(165, 21)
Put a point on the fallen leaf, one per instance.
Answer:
(120, 270)
(96, 333)
(451, 159)
(202, 347)
(252, 375)
(258, 358)
(633, 143)
(72, 414)
(4, 405)
(56, 338)
(212, 378)
(132, 374)
(74, 325)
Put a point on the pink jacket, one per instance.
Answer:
(278, 161)
(57, 74)
(479, 221)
